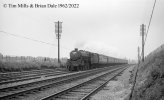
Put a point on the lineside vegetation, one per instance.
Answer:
(22, 63)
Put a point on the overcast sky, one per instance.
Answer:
(110, 27)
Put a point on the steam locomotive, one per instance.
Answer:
(84, 60)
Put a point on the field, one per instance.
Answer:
(11, 64)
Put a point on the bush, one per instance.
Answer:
(150, 79)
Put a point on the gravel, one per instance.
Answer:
(117, 89)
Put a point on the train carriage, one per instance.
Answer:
(103, 59)
(94, 58)
(110, 59)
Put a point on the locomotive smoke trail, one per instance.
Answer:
(98, 47)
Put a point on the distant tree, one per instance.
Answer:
(1, 56)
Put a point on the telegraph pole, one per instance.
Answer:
(58, 44)
(138, 56)
(143, 29)
(58, 31)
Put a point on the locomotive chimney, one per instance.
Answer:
(76, 49)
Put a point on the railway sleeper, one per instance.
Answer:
(73, 93)
(66, 98)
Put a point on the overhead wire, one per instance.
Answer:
(150, 21)
(31, 39)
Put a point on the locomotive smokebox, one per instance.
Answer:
(75, 54)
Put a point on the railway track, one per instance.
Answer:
(22, 73)
(40, 87)
(85, 89)
(28, 75)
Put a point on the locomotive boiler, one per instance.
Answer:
(84, 60)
